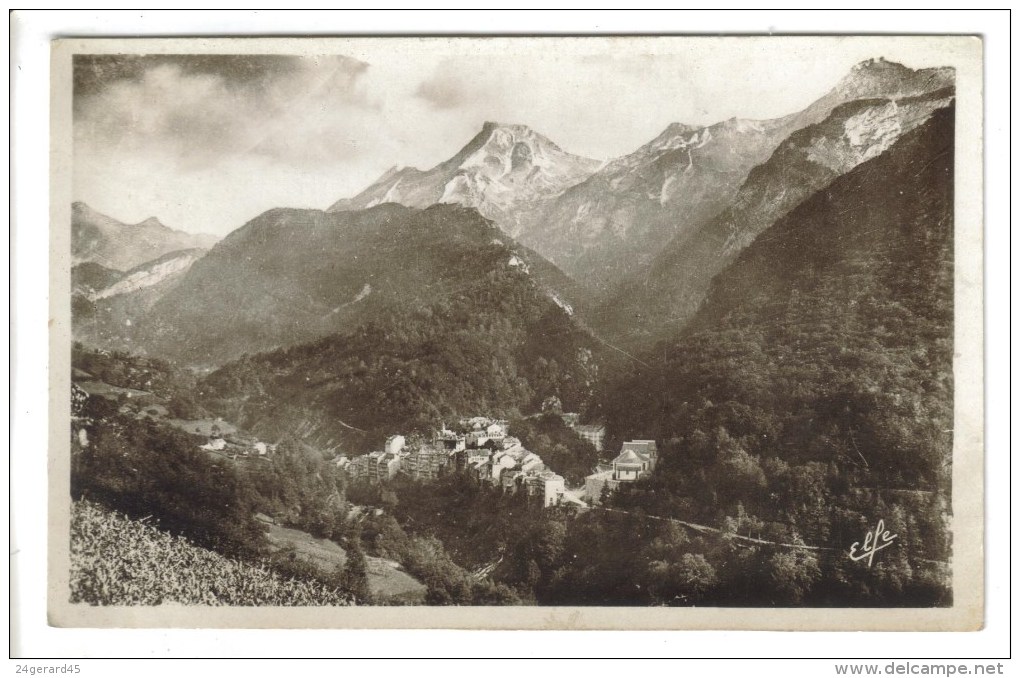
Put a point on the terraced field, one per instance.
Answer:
(116, 561)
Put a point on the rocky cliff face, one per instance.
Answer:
(503, 170)
(616, 221)
(659, 300)
(159, 271)
(106, 309)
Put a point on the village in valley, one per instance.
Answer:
(518, 376)
(483, 449)
(480, 448)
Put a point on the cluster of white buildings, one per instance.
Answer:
(236, 447)
(478, 446)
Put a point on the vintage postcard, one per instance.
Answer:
(604, 332)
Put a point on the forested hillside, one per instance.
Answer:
(747, 367)
(813, 391)
(497, 344)
(293, 276)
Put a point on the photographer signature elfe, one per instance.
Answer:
(874, 541)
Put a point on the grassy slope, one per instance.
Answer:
(386, 581)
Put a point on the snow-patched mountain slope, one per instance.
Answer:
(659, 299)
(618, 219)
(601, 223)
(504, 168)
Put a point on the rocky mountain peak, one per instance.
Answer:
(151, 222)
(502, 167)
(882, 78)
(500, 133)
(681, 128)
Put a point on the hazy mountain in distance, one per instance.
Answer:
(613, 223)
(503, 170)
(291, 276)
(101, 239)
(658, 299)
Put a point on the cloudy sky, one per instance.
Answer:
(207, 142)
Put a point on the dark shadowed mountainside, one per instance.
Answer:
(810, 396)
(291, 276)
(482, 336)
(89, 277)
(657, 300)
(107, 305)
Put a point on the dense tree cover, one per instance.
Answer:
(173, 385)
(567, 557)
(144, 468)
(299, 488)
(812, 394)
(562, 450)
(354, 575)
(809, 397)
(630, 553)
(291, 276)
(434, 546)
(445, 530)
(498, 345)
(658, 300)
(149, 470)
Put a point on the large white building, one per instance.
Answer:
(637, 459)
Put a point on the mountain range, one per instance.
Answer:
(658, 299)
(601, 223)
(770, 301)
(503, 171)
(626, 250)
(98, 238)
(807, 393)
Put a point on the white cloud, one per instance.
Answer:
(207, 143)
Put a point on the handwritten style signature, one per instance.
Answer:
(873, 543)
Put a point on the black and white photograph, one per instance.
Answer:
(655, 327)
